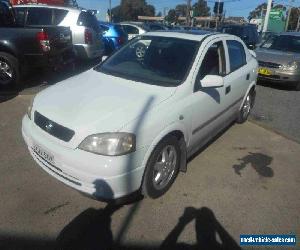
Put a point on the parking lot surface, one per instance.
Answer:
(278, 107)
(245, 182)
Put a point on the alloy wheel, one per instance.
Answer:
(6, 72)
(165, 167)
(246, 107)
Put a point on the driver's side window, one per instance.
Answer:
(214, 63)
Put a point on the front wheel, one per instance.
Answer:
(246, 107)
(162, 168)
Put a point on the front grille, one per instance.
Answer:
(269, 64)
(53, 128)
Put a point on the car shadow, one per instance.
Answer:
(276, 85)
(210, 142)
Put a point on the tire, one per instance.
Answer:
(153, 186)
(246, 107)
(9, 72)
(140, 50)
(297, 87)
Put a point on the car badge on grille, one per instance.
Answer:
(49, 126)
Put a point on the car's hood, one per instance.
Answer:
(276, 56)
(94, 102)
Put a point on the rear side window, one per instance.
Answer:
(20, 16)
(88, 20)
(58, 16)
(130, 29)
(39, 16)
(237, 56)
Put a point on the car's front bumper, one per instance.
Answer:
(280, 76)
(103, 177)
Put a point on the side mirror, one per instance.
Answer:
(212, 81)
(104, 58)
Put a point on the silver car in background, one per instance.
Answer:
(133, 29)
(279, 59)
(86, 34)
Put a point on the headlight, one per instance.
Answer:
(29, 109)
(112, 144)
(291, 66)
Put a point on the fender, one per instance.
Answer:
(183, 142)
(9, 48)
(251, 85)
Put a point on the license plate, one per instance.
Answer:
(44, 154)
(264, 71)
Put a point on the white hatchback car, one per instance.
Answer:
(130, 123)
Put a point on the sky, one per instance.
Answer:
(232, 7)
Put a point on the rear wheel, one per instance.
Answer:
(162, 168)
(246, 107)
(9, 72)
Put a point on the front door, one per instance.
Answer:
(208, 103)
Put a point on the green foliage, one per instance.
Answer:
(293, 19)
(201, 9)
(171, 17)
(181, 9)
(129, 10)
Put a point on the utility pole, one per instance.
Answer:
(266, 23)
(188, 14)
(110, 19)
(288, 18)
(298, 23)
(218, 13)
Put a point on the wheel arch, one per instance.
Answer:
(180, 132)
(251, 87)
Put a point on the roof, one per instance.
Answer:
(292, 33)
(47, 6)
(196, 35)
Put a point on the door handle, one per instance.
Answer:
(248, 77)
(228, 89)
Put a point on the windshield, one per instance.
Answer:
(285, 43)
(154, 60)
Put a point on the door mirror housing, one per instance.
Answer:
(212, 81)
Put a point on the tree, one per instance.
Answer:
(129, 10)
(293, 19)
(261, 9)
(201, 9)
(257, 12)
(172, 16)
(181, 9)
(159, 14)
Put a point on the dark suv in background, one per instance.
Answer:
(248, 33)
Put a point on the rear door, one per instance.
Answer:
(238, 75)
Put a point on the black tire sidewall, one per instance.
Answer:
(13, 63)
(148, 188)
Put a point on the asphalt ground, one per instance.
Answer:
(245, 182)
(277, 107)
